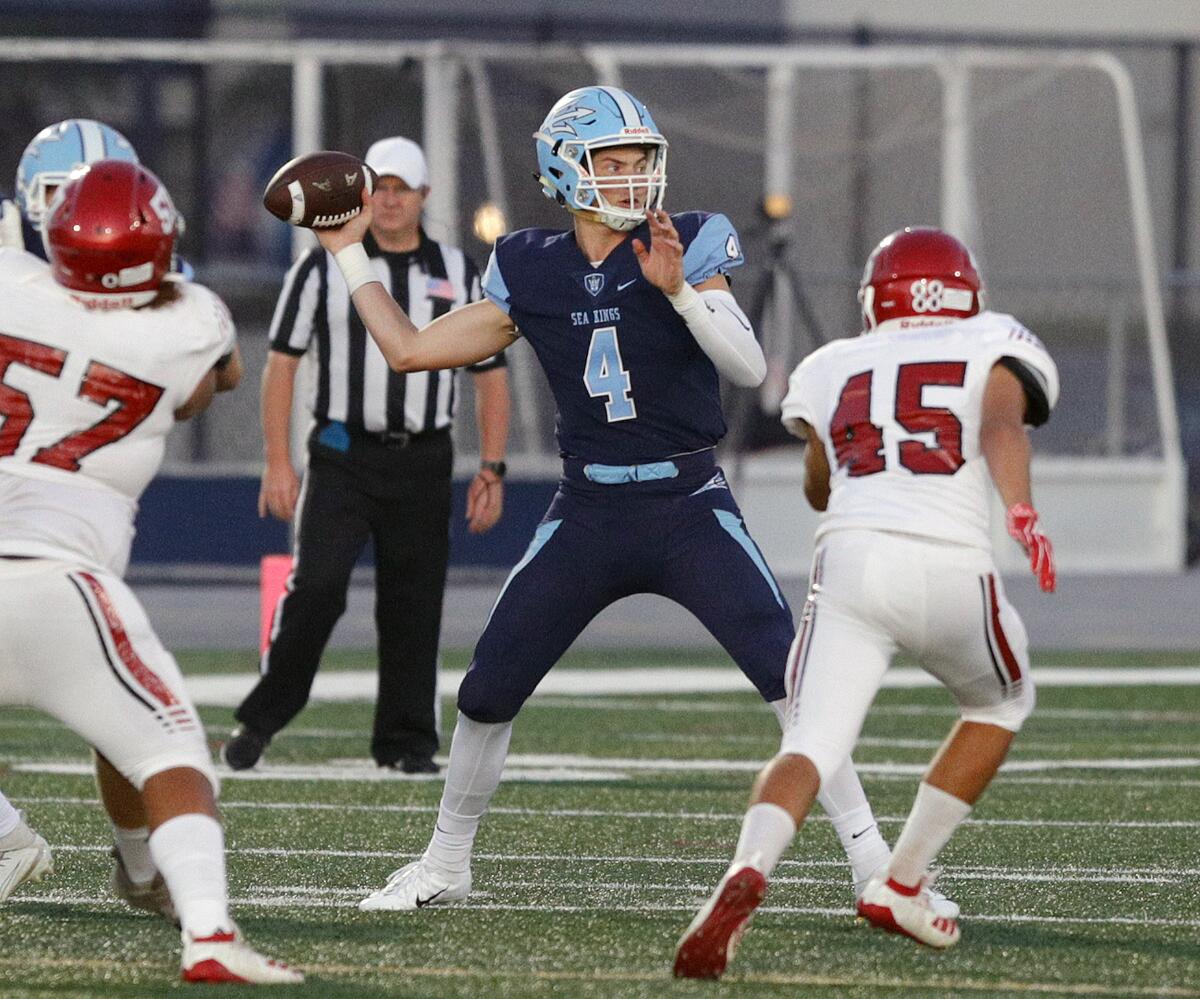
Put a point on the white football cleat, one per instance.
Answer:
(709, 944)
(152, 895)
(886, 905)
(940, 903)
(416, 886)
(24, 856)
(226, 957)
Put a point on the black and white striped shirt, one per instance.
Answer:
(354, 384)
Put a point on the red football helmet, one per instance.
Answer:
(109, 234)
(919, 271)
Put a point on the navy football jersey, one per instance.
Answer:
(630, 382)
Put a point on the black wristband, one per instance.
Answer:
(497, 468)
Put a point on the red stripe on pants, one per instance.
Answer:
(143, 674)
(1006, 652)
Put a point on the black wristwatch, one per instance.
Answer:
(497, 468)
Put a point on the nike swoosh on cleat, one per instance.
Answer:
(862, 832)
(422, 902)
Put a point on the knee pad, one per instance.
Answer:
(1010, 713)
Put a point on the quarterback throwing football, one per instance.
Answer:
(631, 317)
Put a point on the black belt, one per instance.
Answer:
(395, 439)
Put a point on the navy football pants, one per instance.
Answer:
(682, 538)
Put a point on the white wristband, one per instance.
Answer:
(355, 266)
(685, 299)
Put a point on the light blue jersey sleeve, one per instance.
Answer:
(714, 250)
(493, 284)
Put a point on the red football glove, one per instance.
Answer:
(1022, 526)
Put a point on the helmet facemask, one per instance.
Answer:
(598, 196)
(36, 196)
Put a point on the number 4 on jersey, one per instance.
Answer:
(605, 375)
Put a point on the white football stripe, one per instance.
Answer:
(297, 193)
(627, 108)
(91, 140)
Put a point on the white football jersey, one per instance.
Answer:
(87, 398)
(899, 410)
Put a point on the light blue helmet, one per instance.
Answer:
(592, 118)
(55, 151)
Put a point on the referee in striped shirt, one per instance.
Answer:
(379, 467)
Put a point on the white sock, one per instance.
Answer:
(134, 847)
(10, 818)
(934, 817)
(477, 754)
(767, 830)
(189, 850)
(845, 802)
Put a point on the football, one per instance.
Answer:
(319, 190)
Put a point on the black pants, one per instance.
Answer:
(400, 498)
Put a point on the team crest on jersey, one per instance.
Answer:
(594, 283)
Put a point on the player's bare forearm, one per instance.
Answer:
(1003, 438)
(816, 471)
(464, 336)
(200, 398)
(1007, 451)
(230, 370)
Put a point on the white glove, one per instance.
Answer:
(10, 226)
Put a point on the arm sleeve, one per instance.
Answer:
(714, 249)
(723, 332)
(302, 295)
(1027, 358)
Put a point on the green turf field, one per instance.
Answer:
(1079, 873)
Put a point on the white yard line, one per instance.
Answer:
(228, 690)
(576, 767)
(266, 898)
(608, 814)
(1069, 874)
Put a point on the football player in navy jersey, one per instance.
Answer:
(630, 315)
(44, 167)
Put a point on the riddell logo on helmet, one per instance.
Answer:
(635, 131)
(105, 303)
